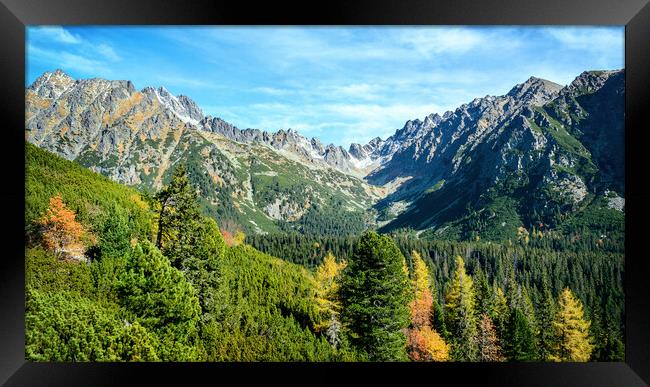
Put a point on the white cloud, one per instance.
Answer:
(60, 48)
(358, 91)
(441, 40)
(272, 90)
(587, 38)
(107, 52)
(68, 61)
(54, 33)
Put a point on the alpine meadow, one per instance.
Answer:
(492, 229)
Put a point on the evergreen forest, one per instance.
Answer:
(117, 274)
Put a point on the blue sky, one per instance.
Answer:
(340, 84)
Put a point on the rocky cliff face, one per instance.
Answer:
(354, 161)
(544, 147)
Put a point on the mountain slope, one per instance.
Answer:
(501, 162)
(138, 137)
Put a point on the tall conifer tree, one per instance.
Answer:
(571, 330)
(375, 293)
(178, 218)
(461, 316)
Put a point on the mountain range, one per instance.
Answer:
(541, 155)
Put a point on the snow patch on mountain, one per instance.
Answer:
(174, 104)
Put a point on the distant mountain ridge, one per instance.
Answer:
(542, 148)
(139, 137)
(524, 147)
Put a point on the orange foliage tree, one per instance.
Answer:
(61, 233)
(424, 343)
(231, 232)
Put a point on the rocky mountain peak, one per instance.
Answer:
(357, 151)
(375, 141)
(218, 125)
(52, 85)
(535, 91)
(432, 119)
(182, 106)
(317, 145)
(164, 93)
(193, 110)
(337, 156)
(589, 81)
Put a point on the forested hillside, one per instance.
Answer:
(113, 274)
(204, 300)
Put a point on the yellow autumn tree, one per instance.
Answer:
(571, 330)
(327, 297)
(424, 343)
(405, 268)
(500, 311)
(422, 304)
(239, 238)
(523, 234)
(61, 233)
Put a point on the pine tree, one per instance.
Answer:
(438, 320)
(178, 218)
(571, 330)
(163, 301)
(613, 348)
(482, 292)
(529, 310)
(545, 317)
(192, 243)
(375, 295)
(521, 336)
(460, 314)
(500, 312)
(520, 343)
(202, 264)
(115, 233)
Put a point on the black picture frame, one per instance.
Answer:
(634, 14)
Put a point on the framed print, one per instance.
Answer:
(354, 190)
